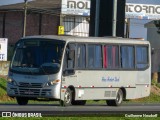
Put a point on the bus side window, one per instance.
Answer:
(81, 56)
(141, 57)
(90, 56)
(70, 56)
(111, 56)
(95, 56)
(127, 57)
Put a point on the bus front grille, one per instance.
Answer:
(15, 90)
(45, 92)
(35, 92)
(30, 85)
(31, 92)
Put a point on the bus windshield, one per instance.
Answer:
(37, 56)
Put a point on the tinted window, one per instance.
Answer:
(70, 56)
(81, 56)
(98, 56)
(94, 56)
(141, 57)
(32, 55)
(111, 56)
(127, 57)
(90, 56)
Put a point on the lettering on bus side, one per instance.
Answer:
(110, 79)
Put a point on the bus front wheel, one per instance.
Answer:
(67, 98)
(118, 101)
(22, 100)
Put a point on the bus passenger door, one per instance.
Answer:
(69, 76)
(80, 71)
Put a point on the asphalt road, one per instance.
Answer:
(89, 109)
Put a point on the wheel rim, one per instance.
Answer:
(67, 97)
(119, 98)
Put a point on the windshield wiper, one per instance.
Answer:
(25, 68)
(43, 70)
(28, 70)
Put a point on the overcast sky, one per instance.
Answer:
(156, 2)
(7, 2)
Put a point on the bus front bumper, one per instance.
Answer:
(46, 92)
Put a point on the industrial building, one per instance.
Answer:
(44, 17)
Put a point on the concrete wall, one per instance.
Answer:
(4, 66)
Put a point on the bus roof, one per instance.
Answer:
(89, 39)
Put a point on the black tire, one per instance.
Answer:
(79, 102)
(109, 102)
(61, 102)
(118, 101)
(68, 97)
(22, 100)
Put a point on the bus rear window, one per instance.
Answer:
(141, 57)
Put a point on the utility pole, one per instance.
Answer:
(114, 22)
(107, 18)
(25, 18)
(97, 18)
(127, 27)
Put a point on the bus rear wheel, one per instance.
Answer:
(118, 101)
(22, 100)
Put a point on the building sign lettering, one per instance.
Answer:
(142, 11)
(79, 5)
(138, 11)
(76, 7)
(3, 49)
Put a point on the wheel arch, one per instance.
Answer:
(124, 92)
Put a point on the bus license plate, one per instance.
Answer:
(28, 92)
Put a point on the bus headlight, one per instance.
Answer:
(50, 83)
(11, 81)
